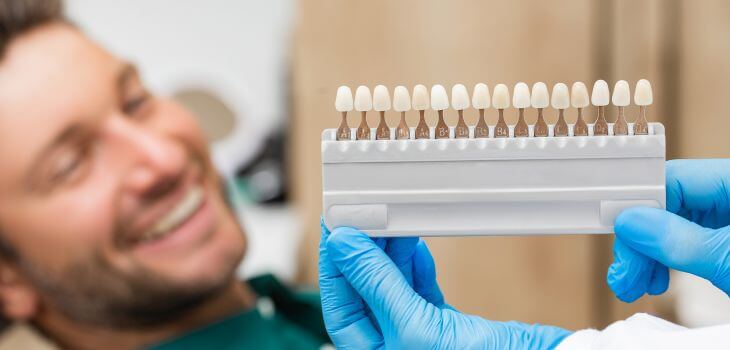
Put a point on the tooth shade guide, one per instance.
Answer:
(521, 128)
(363, 131)
(600, 128)
(481, 130)
(541, 127)
(343, 132)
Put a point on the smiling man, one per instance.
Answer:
(114, 233)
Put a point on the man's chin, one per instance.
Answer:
(147, 292)
(212, 265)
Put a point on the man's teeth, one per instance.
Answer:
(179, 214)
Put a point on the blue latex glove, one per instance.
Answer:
(692, 235)
(382, 293)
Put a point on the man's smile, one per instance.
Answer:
(178, 215)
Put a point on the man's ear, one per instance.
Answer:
(18, 299)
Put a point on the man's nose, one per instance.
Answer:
(157, 161)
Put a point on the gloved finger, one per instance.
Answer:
(382, 243)
(529, 336)
(659, 280)
(401, 251)
(697, 189)
(345, 313)
(424, 276)
(677, 243)
(375, 277)
(630, 273)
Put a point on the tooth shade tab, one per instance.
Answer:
(540, 97)
(381, 98)
(600, 95)
(621, 94)
(500, 98)
(343, 101)
(420, 98)
(521, 96)
(401, 99)
(363, 99)
(439, 98)
(480, 98)
(459, 97)
(642, 94)
(560, 98)
(579, 95)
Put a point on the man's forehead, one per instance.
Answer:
(50, 78)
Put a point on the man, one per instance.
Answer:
(114, 233)
(378, 293)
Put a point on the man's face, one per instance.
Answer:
(106, 192)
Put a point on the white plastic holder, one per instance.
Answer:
(490, 186)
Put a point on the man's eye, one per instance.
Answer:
(134, 105)
(66, 168)
(68, 165)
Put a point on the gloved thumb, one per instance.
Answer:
(677, 243)
(374, 276)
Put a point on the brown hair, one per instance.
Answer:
(20, 16)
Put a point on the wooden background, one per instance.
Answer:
(681, 46)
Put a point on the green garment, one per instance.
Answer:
(295, 322)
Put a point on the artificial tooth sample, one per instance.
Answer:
(579, 100)
(621, 98)
(421, 103)
(439, 103)
(521, 100)
(500, 101)
(343, 104)
(642, 97)
(460, 102)
(600, 98)
(402, 103)
(540, 99)
(560, 100)
(363, 103)
(381, 103)
(480, 101)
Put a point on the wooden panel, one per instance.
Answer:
(704, 76)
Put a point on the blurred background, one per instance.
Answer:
(262, 76)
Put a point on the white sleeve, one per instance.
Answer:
(643, 331)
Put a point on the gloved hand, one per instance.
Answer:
(382, 293)
(692, 235)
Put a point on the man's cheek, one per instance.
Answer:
(77, 225)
